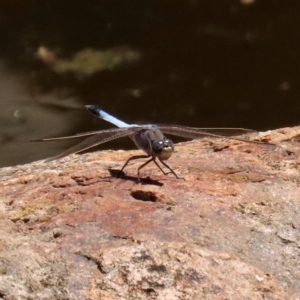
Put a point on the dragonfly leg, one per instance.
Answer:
(132, 158)
(173, 172)
(147, 162)
(142, 166)
(160, 167)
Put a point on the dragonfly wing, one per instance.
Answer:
(92, 141)
(196, 133)
(79, 135)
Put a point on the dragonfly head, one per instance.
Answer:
(163, 149)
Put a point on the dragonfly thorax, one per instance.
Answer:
(163, 149)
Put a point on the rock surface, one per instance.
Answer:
(229, 230)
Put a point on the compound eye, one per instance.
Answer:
(157, 146)
(163, 148)
(168, 143)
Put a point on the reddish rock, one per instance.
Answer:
(229, 230)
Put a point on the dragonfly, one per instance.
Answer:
(149, 138)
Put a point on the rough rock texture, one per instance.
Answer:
(230, 230)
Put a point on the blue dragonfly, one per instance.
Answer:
(149, 138)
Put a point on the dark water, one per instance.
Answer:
(196, 63)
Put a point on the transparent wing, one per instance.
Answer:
(91, 141)
(196, 133)
(83, 134)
